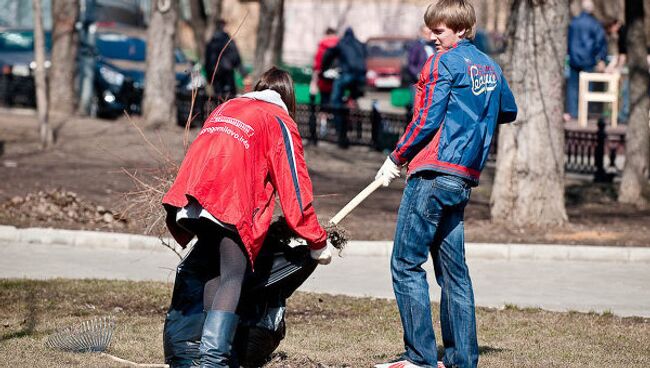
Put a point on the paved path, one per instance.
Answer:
(621, 288)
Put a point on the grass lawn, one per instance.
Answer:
(322, 330)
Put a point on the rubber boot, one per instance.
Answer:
(216, 342)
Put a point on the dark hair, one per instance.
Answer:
(330, 31)
(609, 22)
(280, 81)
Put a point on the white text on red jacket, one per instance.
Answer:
(225, 124)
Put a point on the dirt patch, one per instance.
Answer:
(59, 206)
(92, 159)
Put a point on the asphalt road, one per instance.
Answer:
(620, 288)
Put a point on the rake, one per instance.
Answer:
(90, 336)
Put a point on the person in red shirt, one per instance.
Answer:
(248, 150)
(321, 83)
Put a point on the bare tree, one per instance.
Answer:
(637, 137)
(198, 18)
(40, 76)
(270, 32)
(159, 104)
(529, 182)
(65, 14)
(204, 17)
(213, 12)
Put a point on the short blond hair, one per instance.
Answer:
(456, 14)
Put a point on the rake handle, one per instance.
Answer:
(356, 201)
(133, 364)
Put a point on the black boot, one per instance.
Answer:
(216, 342)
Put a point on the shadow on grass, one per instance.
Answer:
(29, 323)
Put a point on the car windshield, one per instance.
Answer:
(385, 48)
(17, 41)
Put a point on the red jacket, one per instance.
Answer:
(247, 151)
(324, 85)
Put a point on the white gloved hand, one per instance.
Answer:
(388, 172)
(323, 255)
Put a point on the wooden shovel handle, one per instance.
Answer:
(356, 201)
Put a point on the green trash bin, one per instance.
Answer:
(400, 97)
(302, 94)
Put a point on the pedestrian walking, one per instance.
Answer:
(321, 83)
(461, 96)
(222, 81)
(350, 55)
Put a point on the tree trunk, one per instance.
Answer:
(269, 30)
(213, 14)
(529, 180)
(198, 23)
(637, 144)
(159, 104)
(65, 14)
(40, 76)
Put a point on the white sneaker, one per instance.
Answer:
(399, 364)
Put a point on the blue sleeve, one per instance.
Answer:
(507, 104)
(431, 108)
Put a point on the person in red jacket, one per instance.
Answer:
(321, 83)
(248, 150)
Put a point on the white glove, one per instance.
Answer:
(323, 255)
(388, 172)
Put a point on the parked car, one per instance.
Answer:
(119, 70)
(17, 66)
(120, 74)
(386, 57)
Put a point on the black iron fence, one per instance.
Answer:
(592, 150)
(587, 150)
(345, 126)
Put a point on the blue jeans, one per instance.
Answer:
(430, 219)
(346, 81)
(572, 90)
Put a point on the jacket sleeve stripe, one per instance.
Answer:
(288, 146)
(420, 112)
(422, 118)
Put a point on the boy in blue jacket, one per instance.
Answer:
(461, 97)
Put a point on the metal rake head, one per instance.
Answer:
(89, 336)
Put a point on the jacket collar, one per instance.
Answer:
(463, 41)
(267, 95)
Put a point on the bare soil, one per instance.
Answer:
(91, 159)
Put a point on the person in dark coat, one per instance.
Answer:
(223, 80)
(418, 53)
(587, 47)
(351, 54)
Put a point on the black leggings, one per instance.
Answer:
(222, 292)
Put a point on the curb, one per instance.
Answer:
(490, 251)
(85, 239)
(530, 252)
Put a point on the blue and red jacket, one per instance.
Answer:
(461, 96)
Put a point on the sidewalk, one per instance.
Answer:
(552, 277)
(490, 251)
